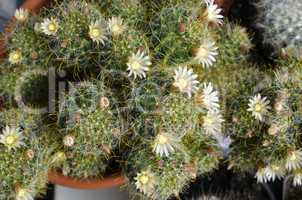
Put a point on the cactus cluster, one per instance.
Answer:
(286, 126)
(280, 22)
(163, 90)
(174, 144)
(24, 159)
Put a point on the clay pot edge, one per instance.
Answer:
(110, 181)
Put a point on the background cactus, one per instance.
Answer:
(224, 184)
(237, 85)
(280, 22)
(139, 83)
(286, 125)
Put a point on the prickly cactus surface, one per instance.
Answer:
(281, 21)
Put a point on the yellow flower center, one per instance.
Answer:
(21, 193)
(182, 83)
(162, 139)
(208, 120)
(293, 157)
(96, 32)
(202, 52)
(275, 167)
(52, 27)
(136, 65)
(144, 179)
(211, 16)
(258, 107)
(16, 56)
(21, 17)
(10, 140)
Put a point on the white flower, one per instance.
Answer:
(50, 26)
(24, 194)
(223, 143)
(213, 13)
(294, 160)
(209, 98)
(115, 25)
(68, 141)
(206, 53)
(11, 138)
(297, 178)
(259, 107)
(98, 31)
(138, 64)
(15, 57)
(212, 122)
(274, 171)
(185, 80)
(261, 175)
(164, 144)
(21, 14)
(145, 182)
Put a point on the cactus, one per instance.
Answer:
(281, 24)
(286, 126)
(192, 151)
(24, 161)
(89, 132)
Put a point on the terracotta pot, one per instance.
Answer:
(107, 182)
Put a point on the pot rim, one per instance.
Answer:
(109, 181)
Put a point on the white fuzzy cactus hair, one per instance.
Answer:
(281, 21)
